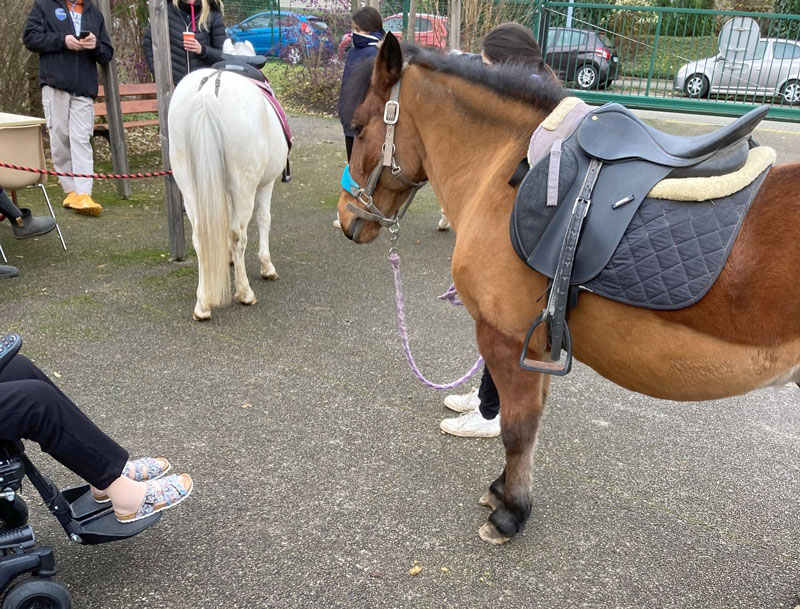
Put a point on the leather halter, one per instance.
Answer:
(391, 113)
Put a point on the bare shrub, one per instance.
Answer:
(478, 17)
(19, 90)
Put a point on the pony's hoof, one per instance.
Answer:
(490, 500)
(271, 276)
(488, 532)
(248, 300)
(201, 316)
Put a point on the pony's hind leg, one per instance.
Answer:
(522, 395)
(240, 217)
(264, 219)
(202, 308)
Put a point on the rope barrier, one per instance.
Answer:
(100, 176)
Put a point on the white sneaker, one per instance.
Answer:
(337, 224)
(463, 403)
(444, 223)
(471, 425)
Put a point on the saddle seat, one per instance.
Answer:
(245, 65)
(633, 139)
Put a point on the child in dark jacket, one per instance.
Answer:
(367, 33)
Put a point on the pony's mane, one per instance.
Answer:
(513, 81)
(521, 82)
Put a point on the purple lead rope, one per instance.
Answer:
(450, 295)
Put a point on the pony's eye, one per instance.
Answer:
(357, 129)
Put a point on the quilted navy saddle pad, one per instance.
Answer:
(670, 254)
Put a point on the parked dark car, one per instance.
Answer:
(582, 57)
(289, 35)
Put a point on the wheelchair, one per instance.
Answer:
(84, 520)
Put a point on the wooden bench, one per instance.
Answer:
(134, 99)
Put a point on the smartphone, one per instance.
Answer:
(84, 34)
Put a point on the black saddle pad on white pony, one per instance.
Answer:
(656, 253)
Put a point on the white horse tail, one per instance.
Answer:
(206, 166)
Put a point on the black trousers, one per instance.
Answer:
(33, 408)
(487, 392)
(7, 207)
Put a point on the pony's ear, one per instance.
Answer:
(388, 64)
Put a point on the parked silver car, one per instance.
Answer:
(773, 69)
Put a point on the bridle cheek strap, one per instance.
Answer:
(391, 113)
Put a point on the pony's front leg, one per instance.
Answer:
(264, 219)
(239, 221)
(522, 396)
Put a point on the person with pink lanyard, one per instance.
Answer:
(196, 35)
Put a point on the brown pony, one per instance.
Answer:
(465, 127)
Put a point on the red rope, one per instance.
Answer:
(101, 176)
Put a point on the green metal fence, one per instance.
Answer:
(705, 61)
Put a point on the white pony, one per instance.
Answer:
(227, 148)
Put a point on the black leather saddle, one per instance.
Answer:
(245, 65)
(613, 133)
(608, 165)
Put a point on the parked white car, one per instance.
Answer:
(773, 69)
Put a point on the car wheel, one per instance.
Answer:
(790, 94)
(293, 55)
(696, 86)
(586, 77)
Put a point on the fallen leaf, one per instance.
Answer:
(246, 405)
(57, 375)
(415, 570)
(445, 569)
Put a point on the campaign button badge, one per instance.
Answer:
(61, 14)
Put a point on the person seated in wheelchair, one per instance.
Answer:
(33, 408)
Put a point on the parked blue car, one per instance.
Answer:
(288, 35)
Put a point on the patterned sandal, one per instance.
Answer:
(161, 494)
(146, 468)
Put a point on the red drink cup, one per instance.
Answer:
(188, 36)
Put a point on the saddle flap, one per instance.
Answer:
(605, 224)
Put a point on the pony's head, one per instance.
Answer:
(385, 168)
(443, 97)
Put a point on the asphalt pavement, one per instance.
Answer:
(321, 475)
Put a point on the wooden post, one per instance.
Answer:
(454, 24)
(116, 132)
(412, 21)
(159, 29)
(354, 6)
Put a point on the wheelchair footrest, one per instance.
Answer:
(97, 522)
(81, 503)
(104, 527)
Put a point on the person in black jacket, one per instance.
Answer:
(71, 39)
(196, 35)
(367, 33)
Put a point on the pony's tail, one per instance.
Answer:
(206, 165)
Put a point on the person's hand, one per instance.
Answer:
(193, 46)
(73, 44)
(88, 43)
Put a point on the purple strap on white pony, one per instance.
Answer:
(450, 295)
(266, 89)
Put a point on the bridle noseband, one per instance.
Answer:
(391, 112)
